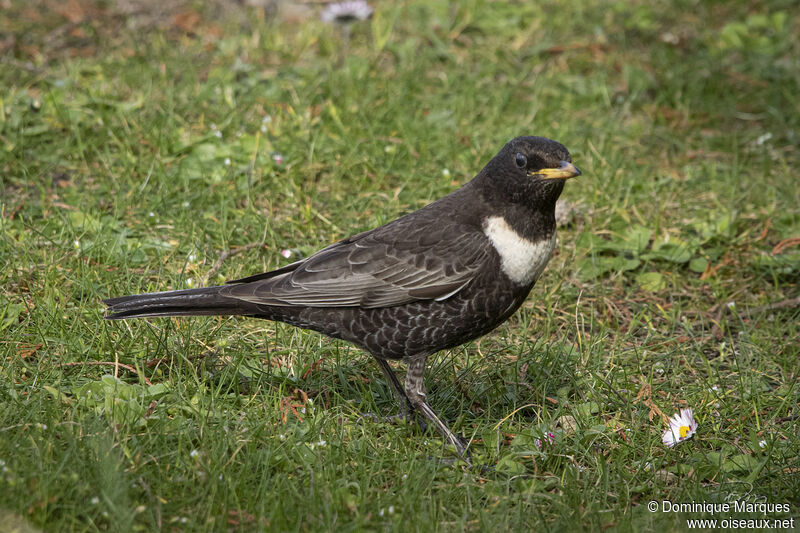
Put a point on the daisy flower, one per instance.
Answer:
(681, 427)
(346, 12)
(548, 439)
(290, 253)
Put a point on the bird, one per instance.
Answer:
(427, 281)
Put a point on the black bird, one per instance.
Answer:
(430, 280)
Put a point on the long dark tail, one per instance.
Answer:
(189, 302)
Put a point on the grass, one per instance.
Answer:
(136, 148)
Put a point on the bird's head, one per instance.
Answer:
(528, 170)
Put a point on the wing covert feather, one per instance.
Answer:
(392, 265)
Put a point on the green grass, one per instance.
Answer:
(153, 150)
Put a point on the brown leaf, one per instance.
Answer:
(26, 351)
(784, 244)
(644, 397)
(186, 21)
(72, 11)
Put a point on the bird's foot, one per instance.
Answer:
(463, 454)
(459, 444)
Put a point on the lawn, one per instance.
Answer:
(151, 146)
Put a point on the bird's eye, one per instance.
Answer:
(521, 160)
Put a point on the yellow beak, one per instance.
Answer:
(564, 171)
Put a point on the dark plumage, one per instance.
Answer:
(428, 281)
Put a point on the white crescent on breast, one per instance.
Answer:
(522, 260)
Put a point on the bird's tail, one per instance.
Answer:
(189, 302)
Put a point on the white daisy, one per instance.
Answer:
(346, 12)
(549, 439)
(681, 427)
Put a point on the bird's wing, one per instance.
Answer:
(389, 266)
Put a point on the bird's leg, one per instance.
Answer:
(398, 391)
(415, 391)
(407, 410)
